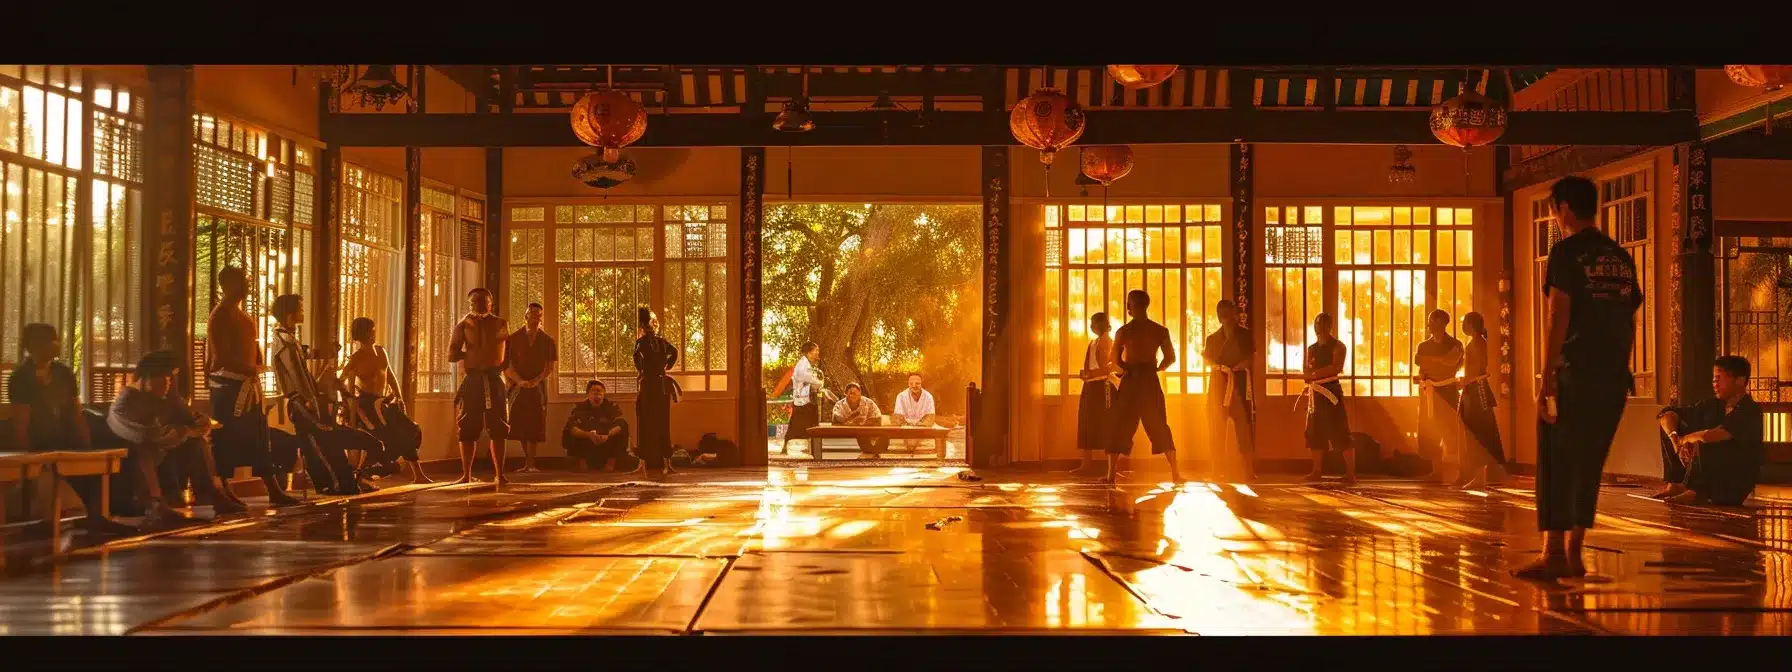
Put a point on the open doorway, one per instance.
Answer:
(888, 298)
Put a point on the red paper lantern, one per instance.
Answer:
(1760, 76)
(1468, 120)
(1107, 163)
(1047, 121)
(1141, 76)
(610, 120)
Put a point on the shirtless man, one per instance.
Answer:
(1141, 395)
(233, 366)
(478, 345)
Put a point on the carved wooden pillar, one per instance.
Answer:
(324, 301)
(1696, 328)
(495, 262)
(413, 253)
(168, 294)
(998, 342)
(752, 313)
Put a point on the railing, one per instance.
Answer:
(1777, 434)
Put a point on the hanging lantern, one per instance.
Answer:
(594, 171)
(1047, 121)
(609, 120)
(1468, 120)
(1141, 76)
(1107, 163)
(1768, 77)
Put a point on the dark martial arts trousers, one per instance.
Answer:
(1571, 452)
(1723, 472)
(242, 440)
(1140, 401)
(1239, 411)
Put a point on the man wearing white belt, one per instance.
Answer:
(233, 366)
(1438, 359)
(1328, 427)
(1228, 352)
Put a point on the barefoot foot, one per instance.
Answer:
(1546, 568)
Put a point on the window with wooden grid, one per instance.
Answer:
(252, 209)
(1626, 214)
(1095, 254)
(1546, 231)
(592, 266)
(446, 276)
(372, 266)
(1392, 266)
(68, 258)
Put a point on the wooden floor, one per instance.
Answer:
(890, 549)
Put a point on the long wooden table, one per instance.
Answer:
(892, 432)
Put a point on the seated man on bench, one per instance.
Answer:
(159, 425)
(857, 410)
(48, 417)
(1711, 451)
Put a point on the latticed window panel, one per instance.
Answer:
(304, 189)
(224, 181)
(1625, 214)
(447, 274)
(1096, 254)
(372, 265)
(1392, 265)
(373, 206)
(265, 253)
(597, 322)
(116, 312)
(38, 276)
(117, 147)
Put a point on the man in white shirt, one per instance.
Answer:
(805, 388)
(914, 408)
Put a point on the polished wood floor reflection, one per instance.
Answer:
(900, 549)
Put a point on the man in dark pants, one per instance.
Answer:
(1711, 451)
(1592, 297)
(1228, 351)
(233, 365)
(1140, 399)
(47, 416)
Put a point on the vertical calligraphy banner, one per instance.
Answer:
(753, 440)
(1698, 324)
(1244, 262)
(991, 437)
(1676, 271)
(169, 185)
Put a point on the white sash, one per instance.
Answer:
(1232, 378)
(1316, 387)
(248, 396)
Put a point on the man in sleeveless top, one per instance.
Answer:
(1228, 352)
(1592, 296)
(532, 357)
(1328, 426)
(233, 366)
(375, 404)
(478, 344)
(1141, 396)
(1437, 358)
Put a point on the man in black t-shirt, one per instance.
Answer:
(1711, 451)
(1591, 297)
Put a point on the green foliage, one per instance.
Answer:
(886, 289)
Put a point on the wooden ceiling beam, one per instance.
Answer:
(978, 128)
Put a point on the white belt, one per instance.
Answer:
(1427, 404)
(1231, 379)
(248, 396)
(1316, 387)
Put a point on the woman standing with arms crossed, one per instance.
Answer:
(653, 405)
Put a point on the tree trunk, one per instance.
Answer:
(842, 310)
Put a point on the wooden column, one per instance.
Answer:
(1696, 329)
(324, 302)
(752, 407)
(1242, 178)
(998, 344)
(413, 253)
(495, 263)
(169, 192)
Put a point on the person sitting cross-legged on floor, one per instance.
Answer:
(1711, 451)
(596, 432)
(159, 426)
(858, 410)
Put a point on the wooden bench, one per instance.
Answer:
(892, 432)
(24, 467)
